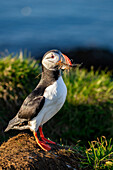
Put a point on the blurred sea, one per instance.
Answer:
(38, 25)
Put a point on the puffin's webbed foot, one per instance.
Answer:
(43, 138)
(42, 144)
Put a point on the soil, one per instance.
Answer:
(21, 152)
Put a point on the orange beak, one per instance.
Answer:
(64, 62)
(67, 60)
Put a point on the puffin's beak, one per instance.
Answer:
(65, 62)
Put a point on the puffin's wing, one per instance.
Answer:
(31, 107)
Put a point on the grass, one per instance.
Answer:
(91, 87)
(100, 154)
(86, 114)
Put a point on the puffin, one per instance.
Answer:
(45, 100)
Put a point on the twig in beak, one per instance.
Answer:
(76, 65)
(60, 64)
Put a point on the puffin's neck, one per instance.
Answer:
(50, 75)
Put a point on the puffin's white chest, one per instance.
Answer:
(55, 96)
(56, 92)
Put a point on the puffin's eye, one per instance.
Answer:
(52, 56)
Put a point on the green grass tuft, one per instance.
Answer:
(100, 154)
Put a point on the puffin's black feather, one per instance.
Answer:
(30, 109)
(35, 101)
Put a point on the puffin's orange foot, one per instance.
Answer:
(48, 141)
(43, 138)
(42, 144)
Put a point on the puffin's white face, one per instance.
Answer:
(54, 59)
(50, 60)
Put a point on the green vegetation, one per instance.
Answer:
(99, 155)
(86, 114)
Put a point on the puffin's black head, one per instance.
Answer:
(54, 60)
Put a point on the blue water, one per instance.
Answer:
(38, 25)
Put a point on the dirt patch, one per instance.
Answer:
(21, 152)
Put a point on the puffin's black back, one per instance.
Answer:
(35, 100)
